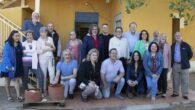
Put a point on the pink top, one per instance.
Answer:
(74, 50)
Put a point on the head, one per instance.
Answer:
(156, 35)
(132, 27)
(43, 32)
(153, 47)
(94, 30)
(72, 35)
(105, 28)
(178, 37)
(50, 27)
(144, 35)
(29, 35)
(118, 32)
(113, 54)
(66, 55)
(35, 17)
(136, 56)
(14, 37)
(93, 55)
(163, 38)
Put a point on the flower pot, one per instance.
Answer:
(56, 92)
(33, 95)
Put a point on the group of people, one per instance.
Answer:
(128, 60)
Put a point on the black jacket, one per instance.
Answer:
(87, 73)
(186, 54)
(54, 35)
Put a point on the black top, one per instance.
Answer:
(54, 35)
(19, 62)
(186, 54)
(87, 72)
(106, 39)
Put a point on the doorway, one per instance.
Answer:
(82, 22)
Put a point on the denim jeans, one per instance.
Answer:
(39, 75)
(69, 86)
(120, 84)
(152, 85)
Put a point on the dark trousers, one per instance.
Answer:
(162, 82)
(39, 75)
(124, 62)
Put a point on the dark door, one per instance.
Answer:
(82, 22)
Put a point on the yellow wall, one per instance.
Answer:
(14, 14)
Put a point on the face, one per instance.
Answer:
(133, 28)
(163, 40)
(136, 56)
(156, 35)
(118, 33)
(50, 27)
(178, 37)
(35, 19)
(29, 37)
(153, 48)
(43, 34)
(113, 54)
(94, 31)
(72, 35)
(67, 56)
(16, 37)
(94, 57)
(105, 28)
(144, 35)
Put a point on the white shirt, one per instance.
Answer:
(41, 47)
(121, 45)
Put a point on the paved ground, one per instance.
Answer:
(113, 104)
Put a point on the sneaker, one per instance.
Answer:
(20, 99)
(163, 95)
(174, 95)
(119, 97)
(185, 97)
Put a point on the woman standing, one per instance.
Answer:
(135, 73)
(74, 45)
(11, 67)
(30, 61)
(165, 49)
(67, 67)
(153, 65)
(45, 48)
(143, 43)
(89, 76)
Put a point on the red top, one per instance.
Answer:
(153, 64)
(96, 43)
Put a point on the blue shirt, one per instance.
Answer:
(110, 70)
(28, 25)
(177, 55)
(66, 69)
(132, 39)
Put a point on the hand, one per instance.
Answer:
(92, 82)
(48, 44)
(155, 76)
(135, 83)
(116, 79)
(130, 83)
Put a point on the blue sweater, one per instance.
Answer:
(147, 62)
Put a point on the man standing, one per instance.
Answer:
(33, 24)
(56, 39)
(181, 54)
(132, 36)
(106, 38)
(112, 71)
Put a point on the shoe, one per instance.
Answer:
(118, 96)
(185, 97)
(130, 96)
(163, 95)
(159, 93)
(174, 95)
(20, 99)
(83, 99)
(10, 99)
(70, 96)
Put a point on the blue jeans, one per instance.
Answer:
(152, 85)
(39, 75)
(69, 86)
(120, 84)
